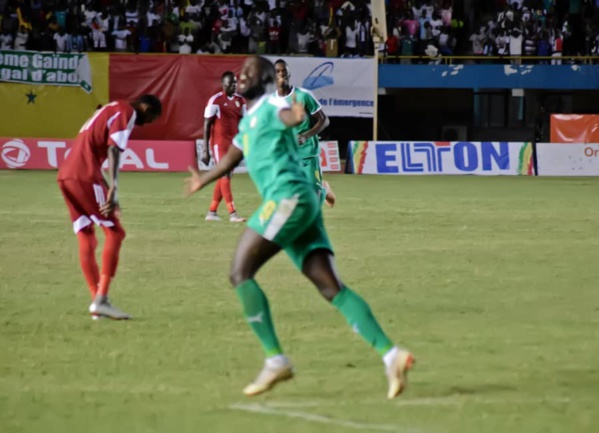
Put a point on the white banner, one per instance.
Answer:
(440, 157)
(344, 87)
(568, 159)
(329, 157)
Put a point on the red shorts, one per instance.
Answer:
(219, 150)
(84, 200)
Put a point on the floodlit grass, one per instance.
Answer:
(491, 282)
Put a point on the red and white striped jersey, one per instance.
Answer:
(111, 125)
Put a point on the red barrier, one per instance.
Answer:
(575, 128)
(140, 155)
(183, 83)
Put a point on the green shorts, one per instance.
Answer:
(311, 167)
(294, 223)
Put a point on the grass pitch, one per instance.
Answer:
(492, 282)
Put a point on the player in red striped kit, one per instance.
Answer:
(221, 118)
(93, 200)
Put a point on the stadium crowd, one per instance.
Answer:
(332, 28)
(319, 27)
(544, 28)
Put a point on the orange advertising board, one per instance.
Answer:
(575, 128)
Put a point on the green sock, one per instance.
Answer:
(257, 314)
(360, 318)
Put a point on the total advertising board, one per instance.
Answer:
(440, 157)
(140, 155)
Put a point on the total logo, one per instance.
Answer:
(48, 154)
(15, 153)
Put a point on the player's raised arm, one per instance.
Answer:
(294, 116)
(199, 180)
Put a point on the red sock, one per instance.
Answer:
(225, 186)
(217, 196)
(87, 258)
(110, 256)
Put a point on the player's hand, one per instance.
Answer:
(193, 183)
(110, 205)
(205, 158)
(297, 109)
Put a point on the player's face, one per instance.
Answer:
(282, 75)
(229, 85)
(249, 79)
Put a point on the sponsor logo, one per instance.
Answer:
(15, 153)
(442, 157)
(320, 76)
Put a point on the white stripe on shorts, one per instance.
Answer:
(99, 193)
(282, 213)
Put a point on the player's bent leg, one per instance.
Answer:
(115, 236)
(216, 199)
(251, 253)
(320, 269)
(88, 242)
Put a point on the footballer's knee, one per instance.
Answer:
(117, 233)
(238, 275)
(329, 292)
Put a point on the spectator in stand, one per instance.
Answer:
(303, 40)
(364, 42)
(392, 47)
(274, 37)
(351, 40)
(62, 41)
(121, 36)
(556, 48)
(503, 43)
(446, 42)
(544, 47)
(6, 40)
(331, 36)
(78, 43)
(530, 39)
(98, 35)
(407, 46)
(478, 40)
(516, 46)
(411, 25)
(21, 39)
(185, 41)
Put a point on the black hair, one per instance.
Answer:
(283, 62)
(227, 74)
(154, 104)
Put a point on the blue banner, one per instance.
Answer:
(489, 76)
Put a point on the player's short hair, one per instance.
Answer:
(227, 74)
(152, 101)
(283, 62)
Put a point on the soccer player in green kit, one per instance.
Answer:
(307, 131)
(290, 219)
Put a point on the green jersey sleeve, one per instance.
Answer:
(311, 103)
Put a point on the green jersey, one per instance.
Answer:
(311, 147)
(270, 150)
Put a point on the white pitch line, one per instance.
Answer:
(265, 410)
(428, 401)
